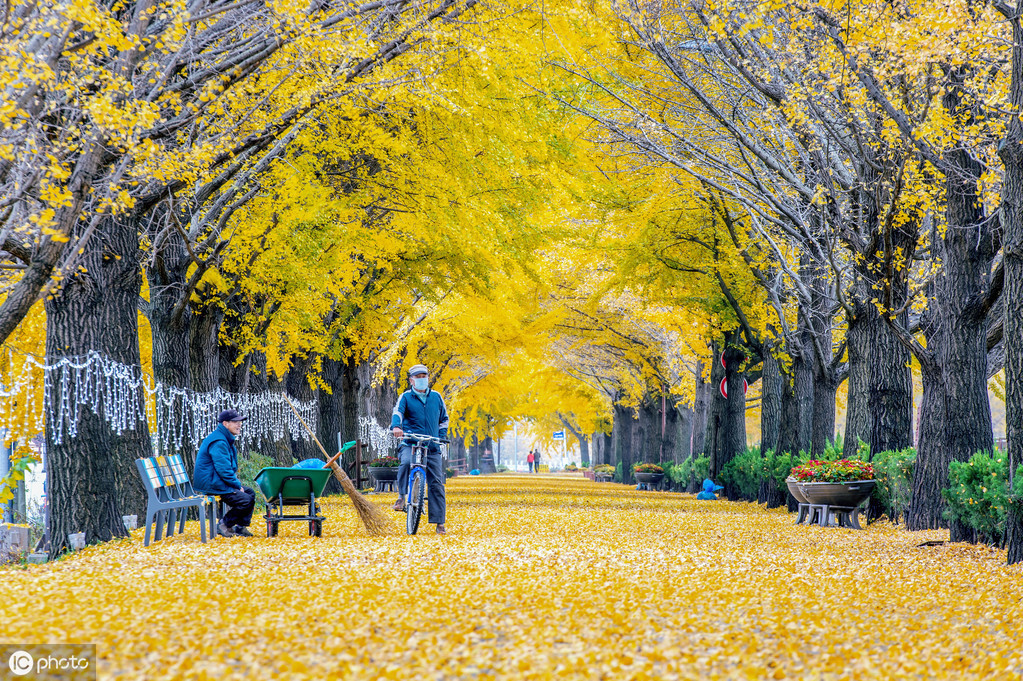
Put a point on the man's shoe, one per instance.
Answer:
(399, 505)
(441, 529)
(242, 531)
(223, 530)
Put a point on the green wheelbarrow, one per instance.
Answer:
(292, 487)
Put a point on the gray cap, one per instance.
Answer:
(418, 369)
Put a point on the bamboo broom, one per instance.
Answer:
(375, 520)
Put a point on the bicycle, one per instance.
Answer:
(415, 493)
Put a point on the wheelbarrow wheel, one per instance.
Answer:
(414, 504)
(315, 528)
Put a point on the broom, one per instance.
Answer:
(375, 520)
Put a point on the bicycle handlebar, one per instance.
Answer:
(424, 438)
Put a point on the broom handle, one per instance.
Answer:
(312, 435)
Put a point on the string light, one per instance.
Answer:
(126, 398)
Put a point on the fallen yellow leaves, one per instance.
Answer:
(539, 577)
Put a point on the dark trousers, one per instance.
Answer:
(241, 505)
(530, 466)
(436, 497)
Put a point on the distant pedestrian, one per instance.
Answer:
(536, 460)
(529, 460)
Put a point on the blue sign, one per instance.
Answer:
(559, 435)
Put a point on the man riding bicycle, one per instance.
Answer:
(421, 411)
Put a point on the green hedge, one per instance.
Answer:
(893, 471)
(978, 494)
(749, 471)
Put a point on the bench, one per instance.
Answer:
(171, 495)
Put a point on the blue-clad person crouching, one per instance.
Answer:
(216, 473)
(421, 411)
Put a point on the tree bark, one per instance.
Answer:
(622, 432)
(170, 325)
(858, 344)
(956, 415)
(770, 403)
(92, 478)
(1011, 152)
(701, 408)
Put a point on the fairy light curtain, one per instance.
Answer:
(125, 398)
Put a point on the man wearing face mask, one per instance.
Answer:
(421, 411)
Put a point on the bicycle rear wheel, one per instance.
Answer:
(414, 503)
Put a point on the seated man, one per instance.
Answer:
(709, 489)
(216, 473)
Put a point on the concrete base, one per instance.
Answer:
(37, 558)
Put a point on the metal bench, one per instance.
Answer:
(171, 495)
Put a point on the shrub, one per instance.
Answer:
(647, 468)
(248, 466)
(604, 469)
(502, 468)
(978, 494)
(571, 467)
(701, 467)
(680, 473)
(745, 472)
(843, 470)
(385, 462)
(619, 473)
(893, 471)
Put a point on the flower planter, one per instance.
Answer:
(384, 473)
(602, 477)
(793, 486)
(843, 494)
(649, 479)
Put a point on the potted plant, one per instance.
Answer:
(648, 473)
(844, 483)
(384, 468)
(603, 472)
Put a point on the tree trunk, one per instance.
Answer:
(803, 389)
(1011, 152)
(92, 478)
(701, 408)
(622, 432)
(824, 391)
(858, 343)
(954, 364)
(770, 403)
(171, 328)
(204, 351)
(891, 391)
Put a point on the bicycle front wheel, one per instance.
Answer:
(414, 503)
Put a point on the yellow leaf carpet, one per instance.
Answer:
(539, 577)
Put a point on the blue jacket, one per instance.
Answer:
(216, 464)
(419, 417)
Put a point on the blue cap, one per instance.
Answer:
(230, 415)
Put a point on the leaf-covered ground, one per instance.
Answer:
(539, 577)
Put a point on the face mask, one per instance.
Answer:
(420, 384)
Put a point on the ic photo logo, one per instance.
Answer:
(20, 663)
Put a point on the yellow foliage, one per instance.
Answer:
(539, 577)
